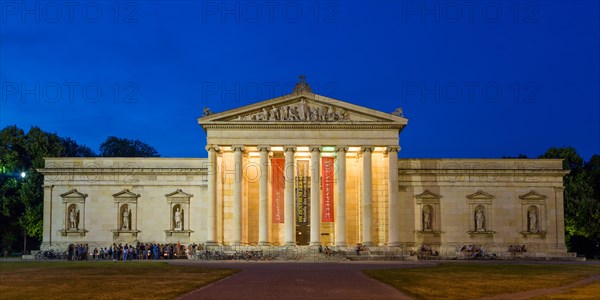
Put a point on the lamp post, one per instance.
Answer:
(23, 175)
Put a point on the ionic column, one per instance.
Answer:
(340, 224)
(366, 199)
(263, 197)
(237, 194)
(393, 201)
(315, 196)
(290, 236)
(212, 195)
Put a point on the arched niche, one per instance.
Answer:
(481, 215)
(533, 210)
(74, 213)
(126, 204)
(178, 214)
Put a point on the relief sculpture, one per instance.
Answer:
(298, 112)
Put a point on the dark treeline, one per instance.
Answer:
(21, 186)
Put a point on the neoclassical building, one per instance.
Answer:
(301, 170)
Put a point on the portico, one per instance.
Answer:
(303, 174)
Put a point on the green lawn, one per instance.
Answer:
(102, 280)
(468, 281)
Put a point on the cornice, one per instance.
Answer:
(302, 125)
(160, 171)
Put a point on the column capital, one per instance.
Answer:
(315, 148)
(289, 148)
(367, 149)
(263, 148)
(392, 148)
(212, 148)
(48, 186)
(240, 148)
(558, 188)
(341, 148)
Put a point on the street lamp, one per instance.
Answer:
(23, 175)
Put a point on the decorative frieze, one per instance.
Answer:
(298, 112)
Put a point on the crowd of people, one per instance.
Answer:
(125, 252)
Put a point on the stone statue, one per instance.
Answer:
(426, 219)
(398, 112)
(299, 112)
(533, 221)
(479, 219)
(126, 226)
(206, 112)
(178, 219)
(274, 115)
(74, 218)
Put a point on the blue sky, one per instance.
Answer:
(475, 79)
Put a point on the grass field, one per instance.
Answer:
(469, 281)
(102, 280)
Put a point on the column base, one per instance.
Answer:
(264, 244)
(316, 244)
(394, 244)
(341, 244)
(290, 244)
(367, 243)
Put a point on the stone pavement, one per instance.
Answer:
(299, 281)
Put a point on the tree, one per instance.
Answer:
(582, 204)
(72, 149)
(122, 147)
(571, 159)
(21, 199)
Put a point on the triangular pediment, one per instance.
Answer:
(73, 194)
(126, 193)
(178, 194)
(479, 195)
(302, 107)
(532, 195)
(428, 195)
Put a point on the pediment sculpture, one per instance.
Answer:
(298, 112)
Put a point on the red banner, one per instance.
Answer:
(277, 188)
(327, 173)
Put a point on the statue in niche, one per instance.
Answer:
(178, 219)
(426, 219)
(126, 225)
(479, 219)
(74, 218)
(533, 220)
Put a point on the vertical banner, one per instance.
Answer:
(302, 193)
(327, 173)
(277, 189)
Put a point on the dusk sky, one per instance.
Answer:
(475, 79)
